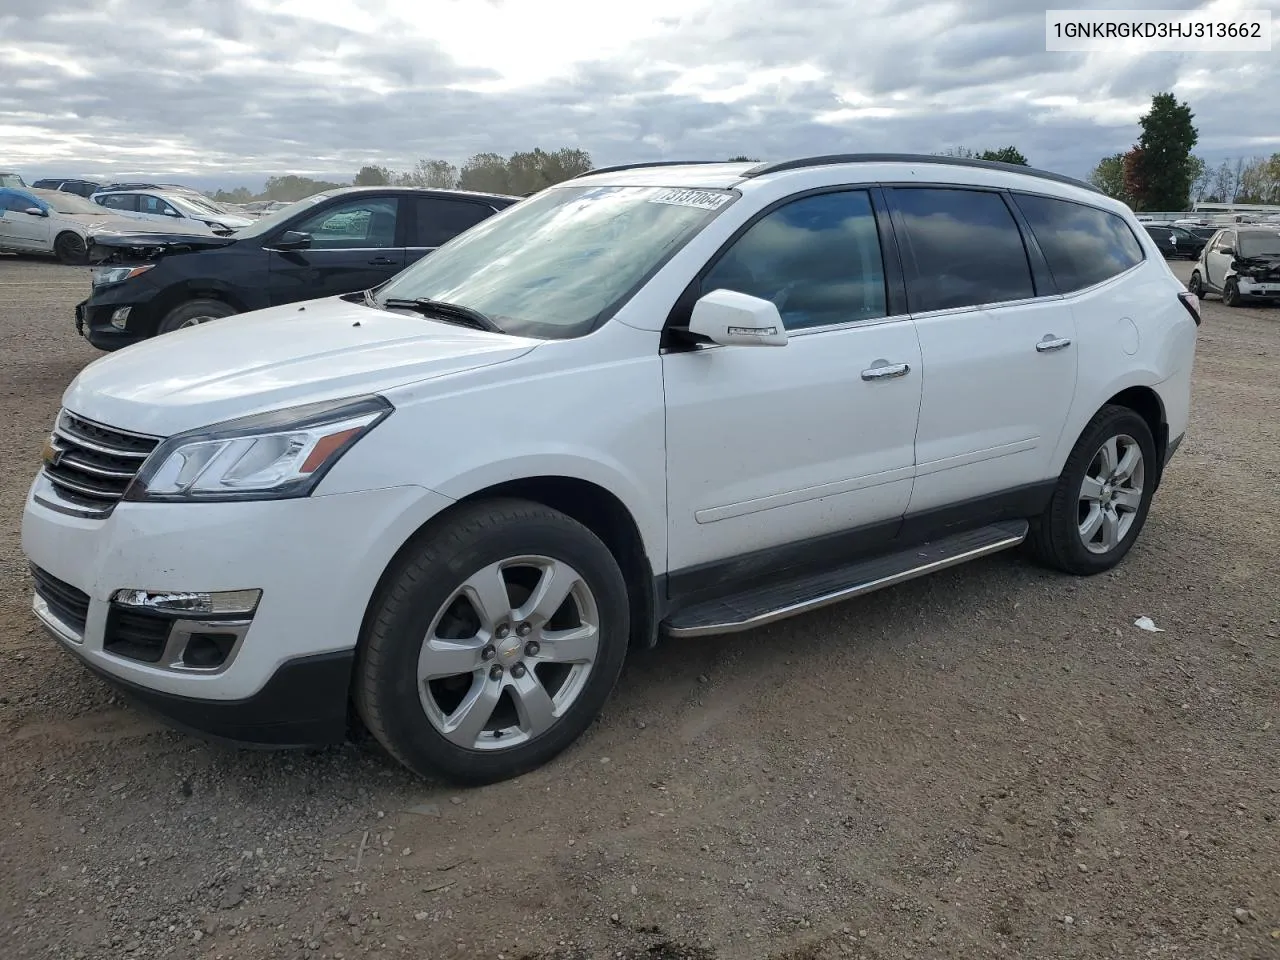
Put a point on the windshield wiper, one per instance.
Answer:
(448, 312)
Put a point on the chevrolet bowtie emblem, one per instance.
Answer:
(50, 454)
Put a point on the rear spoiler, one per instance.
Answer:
(117, 247)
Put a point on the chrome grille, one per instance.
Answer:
(90, 465)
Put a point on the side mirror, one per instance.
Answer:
(292, 240)
(1229, 251)
(35, 212)
(737, 319)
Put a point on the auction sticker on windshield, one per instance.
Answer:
(704, 199)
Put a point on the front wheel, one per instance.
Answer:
(193, 313)
(70, 248)
(493, 643)
(1231, 294)
(1196, 285)
(1102, 497)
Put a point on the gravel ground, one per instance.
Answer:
(992, 762)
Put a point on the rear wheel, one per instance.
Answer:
(70, 248)
(193, 313)
(1103, 495)
(1231, 294)
(1195, 284)
(493, 643)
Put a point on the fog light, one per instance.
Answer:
(119, 317)
(226, 603)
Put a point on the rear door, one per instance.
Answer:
(998, 351)
(437, 220)
(357, 242)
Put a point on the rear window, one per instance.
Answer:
(1084, 245)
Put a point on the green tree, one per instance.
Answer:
(1009, 154)
(431, 174)
(1135, 182)
(1108, 176)
(237, 195)
(1200, 178)
(963, 153)
(486, 172)
(290, 188)
(523, 172)
(372, 176)
(1166, 171)
(744, 160)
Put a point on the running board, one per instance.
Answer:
(751, 609)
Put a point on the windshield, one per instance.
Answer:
(11, 180)
(270, 221)
(556, 264)
(70, 203)
(1260, 244)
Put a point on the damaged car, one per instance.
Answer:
(1239, 264)
(336, 242)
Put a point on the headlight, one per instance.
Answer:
(269, 456)
(104, 275)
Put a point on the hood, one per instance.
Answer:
(1261, 265)
(114, 242)
(274, 358)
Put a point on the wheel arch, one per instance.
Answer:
(181, 292)
(592, 505)
(1145, 401)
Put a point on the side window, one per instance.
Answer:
(1228, 241)
(120, 201)
(817, 258)
(357, 224)
(150, 204)
(964, 247)
(441, 219)
(1084, 245)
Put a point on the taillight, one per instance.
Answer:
(1192, 303)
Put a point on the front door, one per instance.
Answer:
(769, 446)
(356, 244)
(1000, 366)
(1217, 261)
(20, 230)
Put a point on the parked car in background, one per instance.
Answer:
(57, 223)
(1175, 242)
(10, 179)
(81, 188)
(164, 205)
(331, 243)
(667, 400)
(1239, 263)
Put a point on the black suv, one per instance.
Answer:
(81, 188)
(1175, 242)
(331, 243)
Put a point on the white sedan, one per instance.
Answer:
(58, 223)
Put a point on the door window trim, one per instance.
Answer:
(311, 212)
(891, 265)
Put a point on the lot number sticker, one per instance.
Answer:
(703, 199)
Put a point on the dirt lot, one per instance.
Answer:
(993, 762)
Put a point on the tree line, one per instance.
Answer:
(1160, 172)
(522, 173)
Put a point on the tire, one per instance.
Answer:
(194, 312)
(423, 723)
(1059, 536)
(1231, 294)
(70, 248)
(1196, 285)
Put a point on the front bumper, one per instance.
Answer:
(317, 561)
(93, 322)
(1256, 288)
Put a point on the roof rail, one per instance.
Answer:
(641, 166)
(763, 168)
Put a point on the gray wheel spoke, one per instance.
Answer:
(1091, 489)
(1110, 528)
(577, 645)
(487, 592)
(557, 581)
(1128, 499)
(467, 722)
(533, 703)
(1110, 454)
(447, 658)
(1092, 524)
(1128, 462)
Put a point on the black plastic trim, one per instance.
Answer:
(1172, 447)
(304, 704)
(840, 158)
(762, 568)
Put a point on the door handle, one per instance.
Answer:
(382, 262)
(886, 371)
(1050, 343)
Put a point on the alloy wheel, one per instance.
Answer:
(1111, 494)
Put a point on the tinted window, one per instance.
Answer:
(120, 201)
(965, 249)
(440, 220)
(1084, 245)
(364, 223)
(1159, 233)
(817, 259)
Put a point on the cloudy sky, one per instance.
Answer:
(224, 92)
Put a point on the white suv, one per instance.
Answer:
(656, 400)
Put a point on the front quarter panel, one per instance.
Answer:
(589, 409)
